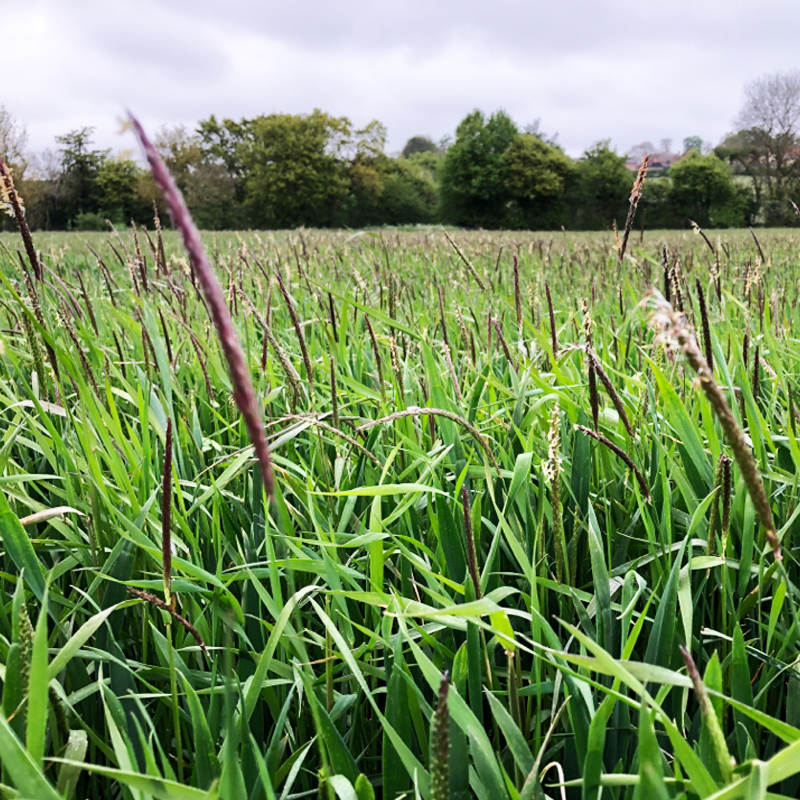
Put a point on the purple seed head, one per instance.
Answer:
(243, 392)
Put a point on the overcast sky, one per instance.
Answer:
(588, 69)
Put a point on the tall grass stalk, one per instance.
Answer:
(9, 195)
(166, 517)
(243, 392)
(675, 330)
(551, 313)
(636, 196)
(300, 338)
(552, 470)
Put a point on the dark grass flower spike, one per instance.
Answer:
(469, 265)
(612, 392)
(377, 356)
(334, 397)
(63, 316)
(675, 331)
(793, 414)
(726, 502)
(636, 196)
(159, 603)
(758, 246)
(711, 543)
(517, 297)
(503, 343)
(37, 310)
(119, 354)
(701, 299)
(553, 334)
(676, 287)
(440, 292)
(167, 342)
(398, 372)
(88, 303)
(622, 454)
(472, 560)
(166, 517)
(745, 348)
(243, 392)
(448, 359)
(11, 198)
(594, 398)
(699, 230)
(440, 744)
(298, 329)
(333, 318)
(756, 387)
(462, 328)
(33, 346)
(161, 259)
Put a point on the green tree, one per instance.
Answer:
(294, 169)
(119, 200)
(693, 143)
(210, 188)
(410, 193)
(703, 190)
(419, 144)
(77, 191)
(210, 195)
(366, 166)
(473, 174)
(655, 208)
(410, 189)
(181, 150)
(536, 177)
(222, 142)
(603, 187)
(428, 165)
(743, 152)
(39, 189)
(767, 143)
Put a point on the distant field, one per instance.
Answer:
(538, 502)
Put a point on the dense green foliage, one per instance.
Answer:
(318, 171)
(474, 189)
(703, 190)
(331, 614)
(603, 186)
(766, 145)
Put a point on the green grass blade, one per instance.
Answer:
(651, 767)
(19, 547)
(69, 772)
(159, 788)
(37, 689)
(26, 774)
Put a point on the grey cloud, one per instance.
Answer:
(589, 70)
(505, 26)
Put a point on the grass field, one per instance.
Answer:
(495, 521)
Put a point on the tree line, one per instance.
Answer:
(316, 170)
